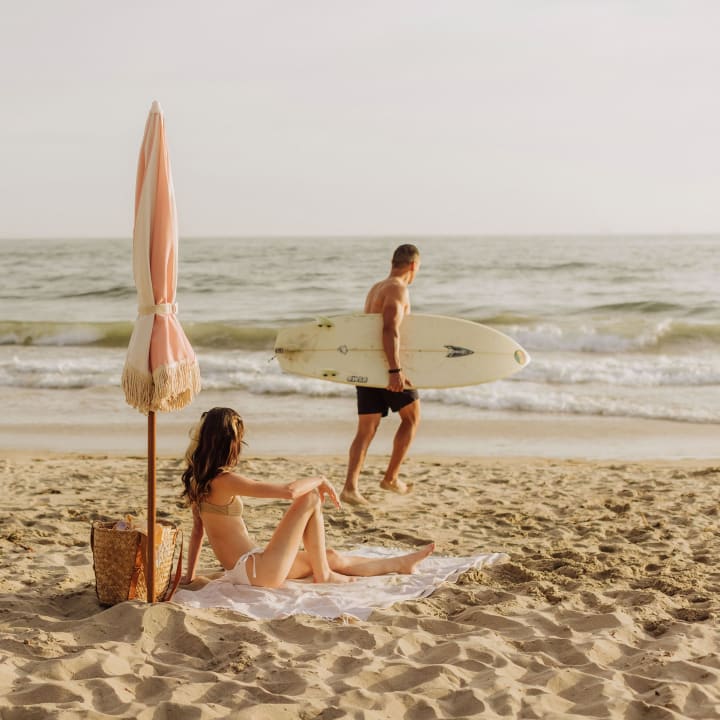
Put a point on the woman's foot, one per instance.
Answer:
(408, 563)
(335, 577)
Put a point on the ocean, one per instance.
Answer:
(616, 326)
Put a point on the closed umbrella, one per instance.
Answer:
(161, 372)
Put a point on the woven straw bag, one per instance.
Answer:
(120, 560)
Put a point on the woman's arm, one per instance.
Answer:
(239, 485)
(194, 546)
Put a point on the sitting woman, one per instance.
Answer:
(214, 490)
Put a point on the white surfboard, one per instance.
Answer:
(435, 351)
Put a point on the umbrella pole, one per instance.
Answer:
(151, 509)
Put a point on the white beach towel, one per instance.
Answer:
(357, 599)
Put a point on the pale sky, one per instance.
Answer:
(354, 117)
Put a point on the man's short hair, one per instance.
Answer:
(404, 255)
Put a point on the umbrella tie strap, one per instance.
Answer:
(161, 309)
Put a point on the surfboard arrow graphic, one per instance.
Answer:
(457, 351)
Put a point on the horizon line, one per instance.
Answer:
(387, 236)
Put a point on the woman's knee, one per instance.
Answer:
(309, 500)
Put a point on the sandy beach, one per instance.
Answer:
(182, 186)
(607, 607)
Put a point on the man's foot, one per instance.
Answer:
(409, 562)
(397, 486)
(352, 497)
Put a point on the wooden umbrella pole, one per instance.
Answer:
(151, 509)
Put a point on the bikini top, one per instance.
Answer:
(233, 508)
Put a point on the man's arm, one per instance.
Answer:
(392, 314)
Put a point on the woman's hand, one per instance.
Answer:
(327, 490)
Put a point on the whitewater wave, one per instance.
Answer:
(633, 386)
(638, 370)
(666, 335)
(117, 334)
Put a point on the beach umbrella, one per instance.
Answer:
(161, 372)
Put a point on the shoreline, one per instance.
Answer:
(491, 435)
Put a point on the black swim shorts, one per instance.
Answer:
(379, 400)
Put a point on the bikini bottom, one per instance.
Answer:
(238, 575)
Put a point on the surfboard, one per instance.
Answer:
(435, 351)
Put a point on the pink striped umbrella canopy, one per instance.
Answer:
(161, 371)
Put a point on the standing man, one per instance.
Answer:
(391, 299)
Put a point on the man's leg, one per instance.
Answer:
(409, 421)
(366, 429)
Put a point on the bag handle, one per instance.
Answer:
(140, 553)
(178, 573)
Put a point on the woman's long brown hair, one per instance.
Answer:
(215, 449)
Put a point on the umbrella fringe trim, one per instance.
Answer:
(168, 388)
